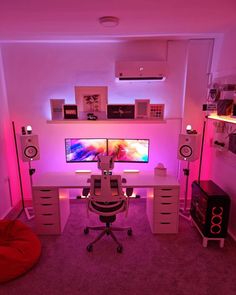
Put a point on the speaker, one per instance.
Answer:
(189, 147)
(30, 147)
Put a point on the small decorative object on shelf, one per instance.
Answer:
(228, 91)
(142, 108)
(214, 93)
(234, 111)
(225, 107)
(91, 99)
(211, 107)
(70, 111)
(57, 108)
(157, 111)
(91, 116)
(120, 111)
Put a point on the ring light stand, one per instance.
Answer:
(29, 150)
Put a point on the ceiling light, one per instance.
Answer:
(109, 21)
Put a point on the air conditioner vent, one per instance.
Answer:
(138, 70)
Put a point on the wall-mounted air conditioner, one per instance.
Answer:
(140, 70)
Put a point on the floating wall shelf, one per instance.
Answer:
(222, 118)
(115, 121)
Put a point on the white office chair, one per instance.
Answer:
(107, 199)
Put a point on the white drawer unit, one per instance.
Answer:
(163, 209)
(52, 208)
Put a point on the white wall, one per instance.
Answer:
(37, 72)
(222, 165)
(9, 183)
(40, 71)
(196, 82)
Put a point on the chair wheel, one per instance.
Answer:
(86, 230)
(90, 248)
(129, 232)
(119, 249)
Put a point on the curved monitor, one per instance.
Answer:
(128, 150)
(84, 149)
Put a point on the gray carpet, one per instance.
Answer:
(150, 264)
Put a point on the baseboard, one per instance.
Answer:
(6, 213)
(14, 211)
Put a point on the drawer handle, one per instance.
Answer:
(46, 204)
(48, 224)
(45, 197)
(165, 222)
(166, 203)
(166, 196)
(47, 214)
(166, 189)
(165, 213)
(45, 190)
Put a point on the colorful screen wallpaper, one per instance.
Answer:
(128, 150)
(84, 150)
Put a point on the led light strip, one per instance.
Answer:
(131, 171)
(222, 118)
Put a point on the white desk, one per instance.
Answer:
(51, 199)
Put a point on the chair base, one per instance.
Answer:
(108, 229)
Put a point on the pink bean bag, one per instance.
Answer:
(20, 249)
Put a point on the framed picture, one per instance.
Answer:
(157, 111)
(70, 111)
(91, 99)
(142, 108)
(120, 111)
(225, 107)
(57, 108)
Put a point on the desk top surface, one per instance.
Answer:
(80, 180)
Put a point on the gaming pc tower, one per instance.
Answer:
(210, 208)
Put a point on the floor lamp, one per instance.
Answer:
(30, 152)
(19, 171)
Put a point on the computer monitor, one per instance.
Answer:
(84, 149)
(128, 150)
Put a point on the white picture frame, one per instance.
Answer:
(91, 99)
(57, 112)
(142, 108)
(157, 111)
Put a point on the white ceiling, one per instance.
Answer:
(78, 19)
